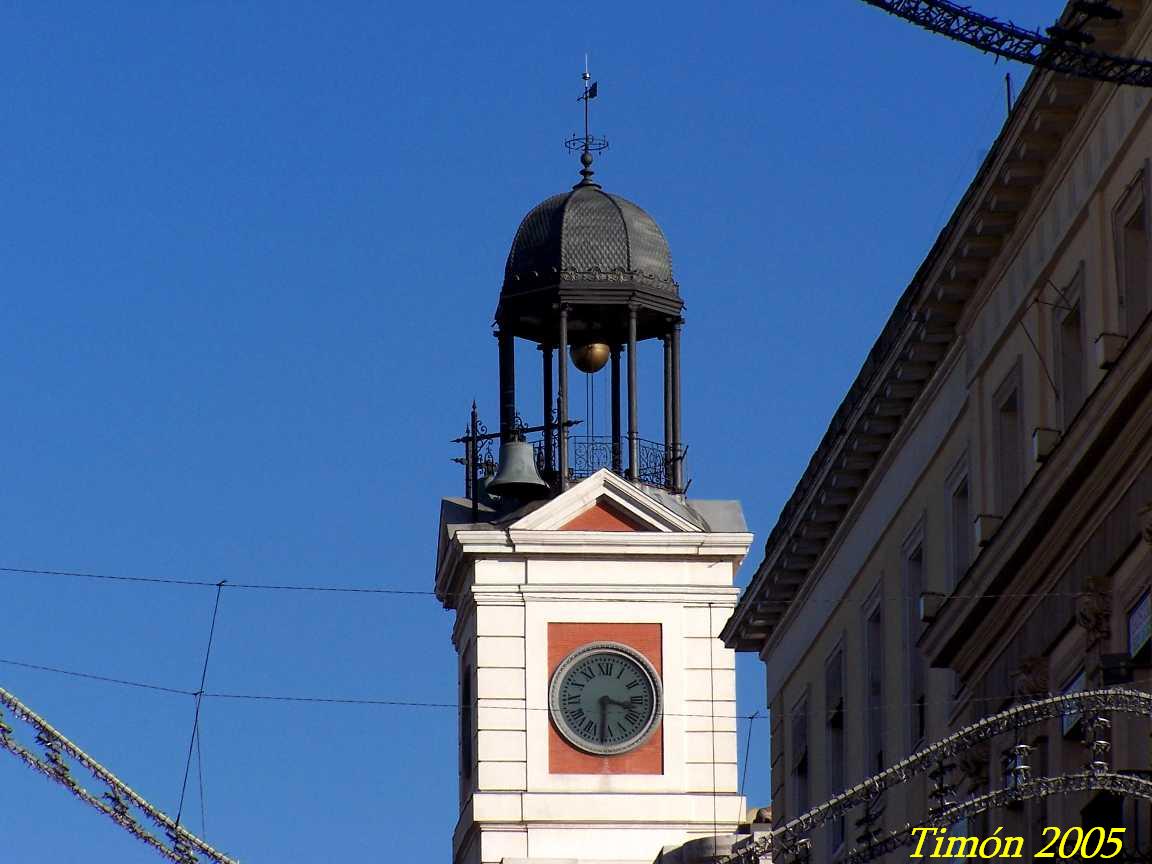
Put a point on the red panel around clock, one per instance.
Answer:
(563, 639)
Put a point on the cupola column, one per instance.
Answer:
(507, 384)
(677, 456)
(633, 397)
(549, 407)
(562, 412)
(669, 451)
(617, 456)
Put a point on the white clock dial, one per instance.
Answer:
(605, 698)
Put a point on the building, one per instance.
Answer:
(967, 535)
(597, 721)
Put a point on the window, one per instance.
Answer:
(466, 725)
(1070, 351)
(834, 736)
(960, 535)
(1131, 229)
(800, 791)
(913, 588)
(1008, 439)
(1140, 629)
(874, 690)
(1070, 723)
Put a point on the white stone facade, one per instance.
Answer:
(506, 586)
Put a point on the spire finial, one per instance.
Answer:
(587, 143)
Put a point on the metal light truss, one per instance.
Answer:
(791, 838)
(118, 802)
(1015, 43)
(1043, 787)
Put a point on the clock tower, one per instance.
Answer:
(597, 705)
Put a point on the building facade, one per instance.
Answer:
(973, 530)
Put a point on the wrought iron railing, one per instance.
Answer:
(590, 453)
(656, 463)
(656, 466)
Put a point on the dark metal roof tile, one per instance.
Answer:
(587, 232)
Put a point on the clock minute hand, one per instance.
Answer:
(604, 700)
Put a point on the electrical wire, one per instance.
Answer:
(200, 583)
(199, 701)
(200, 780)
(748, 751)
(102, 678)
(558, 598)
(321, 700)
(762, 713)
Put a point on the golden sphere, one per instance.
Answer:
(591, 357)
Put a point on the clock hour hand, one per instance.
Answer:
(608, 700)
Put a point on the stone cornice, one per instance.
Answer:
(670, 536)
(1013, 184)
(466, 546)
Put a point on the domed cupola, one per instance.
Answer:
(588, 235)
(587, 279)
(588, 246)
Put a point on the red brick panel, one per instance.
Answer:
(602, 516)
(563, 758)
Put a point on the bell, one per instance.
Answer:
(517, 476)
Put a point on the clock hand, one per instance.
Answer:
(604, 700)
(611, 701)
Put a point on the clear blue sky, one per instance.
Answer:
(250, 255)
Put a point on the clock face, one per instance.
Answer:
(605, 698)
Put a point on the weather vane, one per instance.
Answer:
(587, 143)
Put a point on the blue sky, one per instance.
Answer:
(250, 257)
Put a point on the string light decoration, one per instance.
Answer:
(1062, 48)
(55, 757)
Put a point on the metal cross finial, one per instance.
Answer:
(587, 143)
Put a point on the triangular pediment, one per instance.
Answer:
(605, 502)
(604, 515)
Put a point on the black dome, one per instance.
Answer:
(589, 235)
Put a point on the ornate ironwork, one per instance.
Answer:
(589, 454)
(783, 843)
(656, 468)
(1058, 51)
(58, 757)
